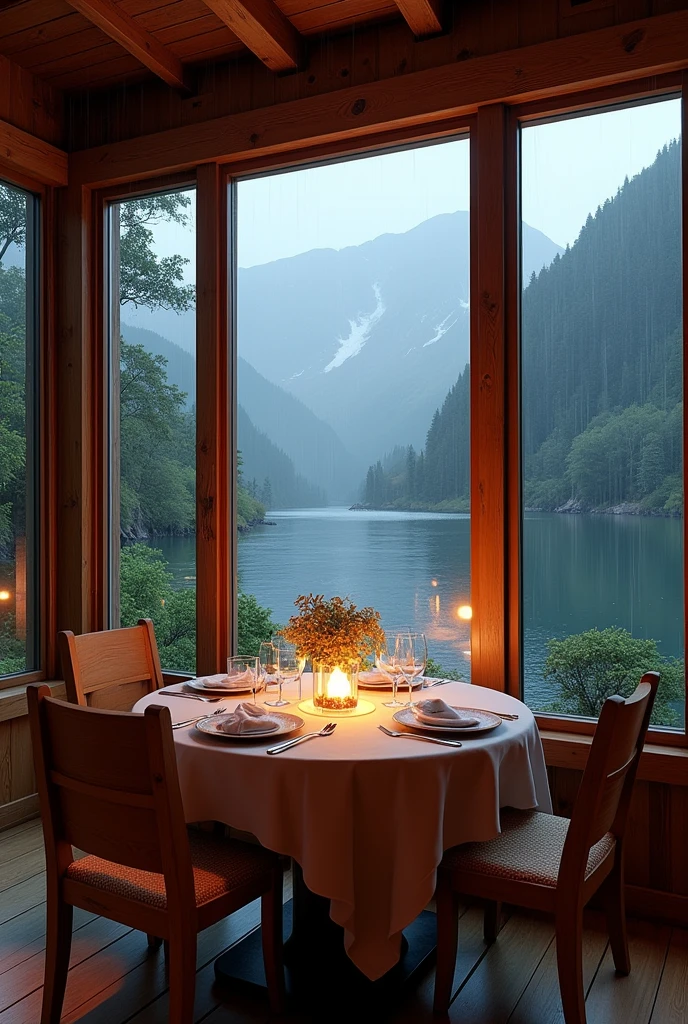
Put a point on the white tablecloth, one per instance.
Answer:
(367, 817)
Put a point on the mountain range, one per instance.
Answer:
(346, 353)
(601, 372)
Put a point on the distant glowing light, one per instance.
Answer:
(5, 595)
(433, 583)
(464, 611)
(467, 653)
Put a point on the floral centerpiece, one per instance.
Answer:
(334, 635)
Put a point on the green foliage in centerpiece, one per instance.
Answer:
(333, 632)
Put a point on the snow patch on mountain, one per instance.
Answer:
(359, 332)
(441, 329)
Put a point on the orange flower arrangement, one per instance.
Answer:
(333, 632)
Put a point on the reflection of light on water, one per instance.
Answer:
(467, 653)
(437, 604)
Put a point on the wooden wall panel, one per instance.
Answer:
(389, 51)
(657, 835)
(30, 104)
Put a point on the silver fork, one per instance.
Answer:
(327, 730)
(190, 721)
(415, 736)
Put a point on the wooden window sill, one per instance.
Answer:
(13, 699)
(659, 763)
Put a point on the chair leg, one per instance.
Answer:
(492, 920)
(569, 937)
(447, 902)
(58, 943)
(615, 906)
(273, 941)
(154, 942)
(182, 978)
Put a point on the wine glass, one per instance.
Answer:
(411, 655)
(246, 671)
(385, 661)
(267, 656)
(289, 669)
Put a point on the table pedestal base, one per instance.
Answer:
(316, 965)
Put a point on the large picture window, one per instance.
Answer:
(602, 409)
(153, 419)
(19, 438)
(353, 389)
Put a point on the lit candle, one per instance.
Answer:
(338, 685)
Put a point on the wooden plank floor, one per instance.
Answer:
(114, 979)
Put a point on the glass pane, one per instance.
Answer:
(602, 412)
(153, 416)
(19, 389)
(353, 419)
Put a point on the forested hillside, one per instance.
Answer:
(601, 370)
(268, 474)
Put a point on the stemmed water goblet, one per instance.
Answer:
(246, 671)
(385, 662)
(411, 655)
(289, 669)
(268, 659)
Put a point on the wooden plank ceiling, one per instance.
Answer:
(78, 44)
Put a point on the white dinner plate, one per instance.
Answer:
(374, 684)
(486, 721)
(197, 684)
(287, 724)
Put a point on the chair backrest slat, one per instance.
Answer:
(102, 788)
(605, 792)
(111, 669)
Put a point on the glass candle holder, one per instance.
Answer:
(335, 687)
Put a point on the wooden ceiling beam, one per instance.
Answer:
(31, 156)
(422, 16)
(262, 27)
(124, 30)
(608, 56)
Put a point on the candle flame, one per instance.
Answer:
(338, 685)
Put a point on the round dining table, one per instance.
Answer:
(366, 816)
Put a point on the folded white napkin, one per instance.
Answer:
(220, 680)
(374, 676)
(434, 711)
(248, 718)
(224, 682)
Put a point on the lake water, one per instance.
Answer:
(414, 568)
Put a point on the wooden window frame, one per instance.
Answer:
(419, 107)
(556, 108)
(45, 413)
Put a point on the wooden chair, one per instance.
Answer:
(112, 669)
(108, 785)
(549, 863)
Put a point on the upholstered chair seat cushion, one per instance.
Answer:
(528, 849)
(219, 866)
